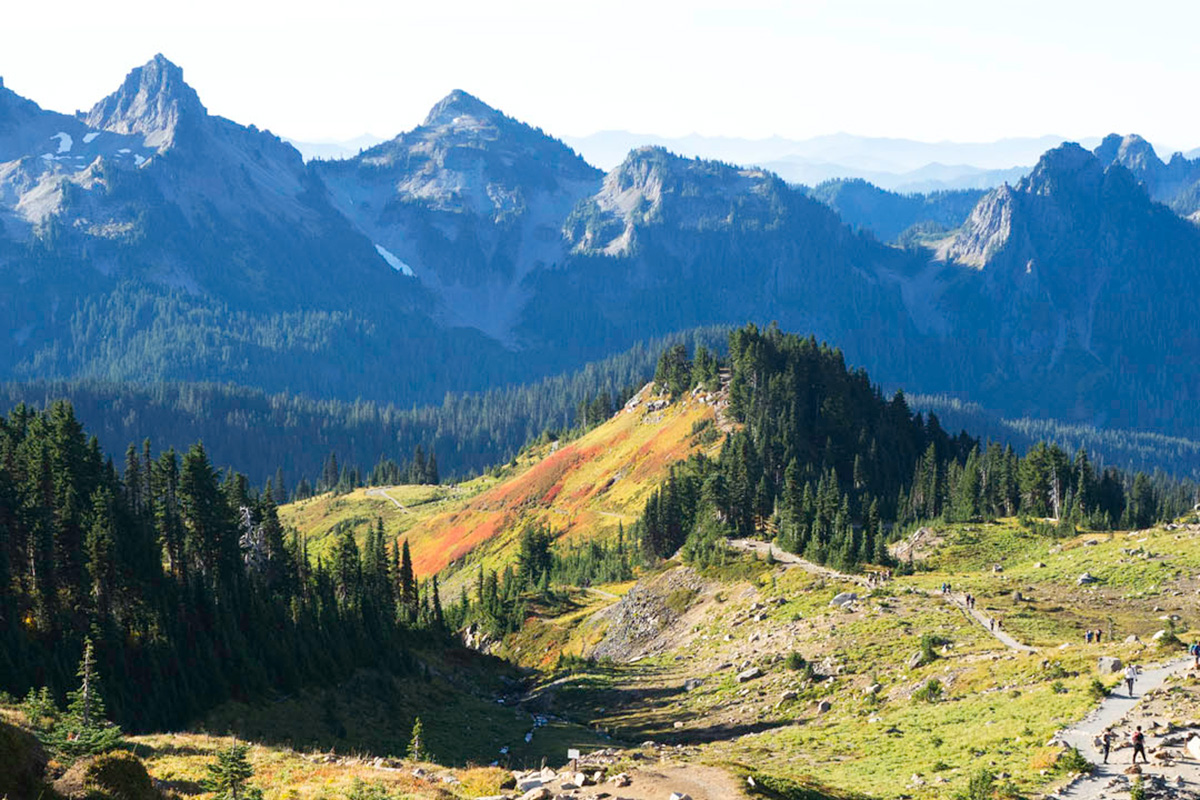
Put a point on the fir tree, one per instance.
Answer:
(416, 744)
(228, 777)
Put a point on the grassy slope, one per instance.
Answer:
(583, 488)
(1000, 707)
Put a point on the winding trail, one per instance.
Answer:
(960, 601)
(763, 549)
(376, 492)
(1110, 712)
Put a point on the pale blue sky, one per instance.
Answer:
(929, 70)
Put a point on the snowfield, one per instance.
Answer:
(394, 262)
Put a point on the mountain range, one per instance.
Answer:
(148, 240)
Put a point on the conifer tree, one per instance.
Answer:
(84, 729)
(416, 743)
(408, 586)
(229, 776)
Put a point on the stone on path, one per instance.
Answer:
(1109, 665)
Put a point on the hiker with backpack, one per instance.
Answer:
(1139, 745)
(1106, 740)
(1130, 676)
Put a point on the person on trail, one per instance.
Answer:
(1139, 745)
(1088, 637)
(1097, 636)
(1195, 651)
(992, 623)
(1130, 677)
(1106, 740)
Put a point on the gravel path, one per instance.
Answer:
(386, 496)
(793, 560)
(1111, 711)
(960, 601)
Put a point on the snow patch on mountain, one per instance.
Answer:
(394, 262)
(65, 142)
(88, 138)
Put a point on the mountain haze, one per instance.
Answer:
(148, 240)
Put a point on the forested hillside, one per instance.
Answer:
(291, 437)
(834, 470)
(184, 579)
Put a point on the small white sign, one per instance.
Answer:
(572, 755)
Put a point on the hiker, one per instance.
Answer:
(1139, 745)
(1097, 636)
(1195, 652)
(992, 623)
(1088, 637)
(1106, 740)
(1130, 677)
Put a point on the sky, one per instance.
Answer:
(930, 70)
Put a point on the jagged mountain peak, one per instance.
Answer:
(1067, 166)
(1131, 151)
(154, 100)
(457, 105)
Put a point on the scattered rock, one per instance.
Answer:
(1193, 746)
(691, 684)
(844, 599)
(1133, 769)
(680, 796)
(824, 706)
(538, 793)
(749, 674)
(790, 694)
(1132, 639)
(1109, 665)
(1086, 578)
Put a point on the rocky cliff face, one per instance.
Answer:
(470, 202)
(1175, 184)
(1079, 279)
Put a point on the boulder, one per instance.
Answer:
(1133, 770)
(538, 793)
(824, 706)
(528, 783)
(620, 780)
(844, 599)
(680, 796)
(1085, 579)
(1109, 665)
(790, 694)
(1193, 746)
(1132, 639)
(749, 674)
(1158, 635)
(691, 684)
(917, 659)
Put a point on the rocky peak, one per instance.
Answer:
(154, 101)
(1132, 152)
(1067, 168)
(459, 106)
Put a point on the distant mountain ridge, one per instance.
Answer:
(476, 251)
